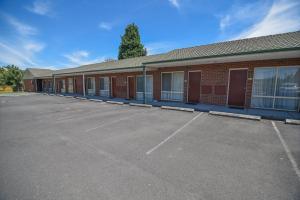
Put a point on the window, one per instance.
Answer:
(70, 85)
(91, 85)
(63, 86)
(104, 86)
(276, 88)
(140, 88)
(172, 86)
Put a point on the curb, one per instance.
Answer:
(69, 96)
(140, 105)
(96, 100)
(81, 98)
(242, 116)
(178, 108)
(292, 121)
(115, 102)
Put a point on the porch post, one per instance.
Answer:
(145, 82)
(36, 90)
(83, 84)
(54, 85)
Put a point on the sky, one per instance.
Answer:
(59, 34)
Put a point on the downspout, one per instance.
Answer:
(145, 82)
(83, 84)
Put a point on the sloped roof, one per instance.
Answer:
(270, 43)
(112, 65)
(31, 73)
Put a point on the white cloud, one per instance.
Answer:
(20, 53)
(283, 16)
(175, 3)
(105, 25)
(20, 48)
(260, 18)
(81, 57)
(77, 57)
(243, 14)
(34, 46)
(20, 27)
(40, 7)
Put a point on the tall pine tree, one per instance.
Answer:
(131, 45)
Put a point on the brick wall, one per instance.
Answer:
(29, 85)
(214, 80)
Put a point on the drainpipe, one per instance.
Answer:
(83, 84)
(145, 81)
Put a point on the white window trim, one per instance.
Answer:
(274, 97)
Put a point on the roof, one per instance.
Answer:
(136, 62)
(37, 72)
(271, 43)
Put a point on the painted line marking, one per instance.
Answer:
(173, 134)
(287, 150)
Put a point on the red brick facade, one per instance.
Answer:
(214, 80)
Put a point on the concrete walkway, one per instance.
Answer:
(264, 113)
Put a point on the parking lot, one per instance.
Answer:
(64, 148)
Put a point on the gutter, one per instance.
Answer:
(222, 55)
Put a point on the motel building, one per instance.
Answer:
(261, 72)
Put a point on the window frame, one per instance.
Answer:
(273, 97)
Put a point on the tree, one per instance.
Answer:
(11, 75)
(131, 43)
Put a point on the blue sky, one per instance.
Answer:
(64, 33)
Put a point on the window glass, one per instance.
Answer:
(276, 88)
(166, 81)
(104, 83)
(264, 81)
(63, 84)
(288, 82)
(149, 84)
(177, 81)
(262, 102)
(286, 104)
(140, 84)
(89, 83)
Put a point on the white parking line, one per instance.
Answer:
(287, 150)
(173, 134)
